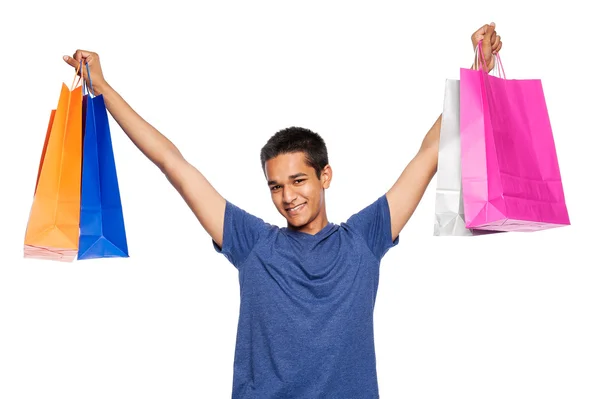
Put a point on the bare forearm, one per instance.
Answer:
(432, 138)
(407, 191)
(424, 165)
(149, 140)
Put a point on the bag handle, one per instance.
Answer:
(85, 86)
(479, 53)
(73, 84)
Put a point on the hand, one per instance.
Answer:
(490, 44)
(93, 60)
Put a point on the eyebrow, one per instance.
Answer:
(291, 177)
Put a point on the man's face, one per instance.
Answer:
(296, 191)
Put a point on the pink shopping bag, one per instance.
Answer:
(510, 173)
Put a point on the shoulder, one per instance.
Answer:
(372, 226)
(377, 209)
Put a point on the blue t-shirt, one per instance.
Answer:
(305, 326)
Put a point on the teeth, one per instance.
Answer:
(296, 208)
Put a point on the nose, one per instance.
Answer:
(289, 195)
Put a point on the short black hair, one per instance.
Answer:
(297, 139)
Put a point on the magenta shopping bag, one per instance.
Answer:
(510, 174)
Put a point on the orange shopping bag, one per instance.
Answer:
(53, 226)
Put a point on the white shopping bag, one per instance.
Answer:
(449, 212)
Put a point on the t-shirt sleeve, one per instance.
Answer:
(373, 224)
(241, 233)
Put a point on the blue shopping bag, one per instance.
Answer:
(102, 226)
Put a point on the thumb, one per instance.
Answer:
(71, 61)
(489, 30)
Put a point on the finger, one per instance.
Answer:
(84, 56)
(496, 44)
(489, 31)
(79, 55)
(71, 61)
(480, 32)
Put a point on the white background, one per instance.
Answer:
(507, 316)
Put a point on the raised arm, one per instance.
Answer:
(406, 193)
(408, 190)
(204, 201)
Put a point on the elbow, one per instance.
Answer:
(429, 156)
(430, 145)
(170, 161)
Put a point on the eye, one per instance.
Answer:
(299, 181)
(273, 188)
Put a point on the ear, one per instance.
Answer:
(326, 176)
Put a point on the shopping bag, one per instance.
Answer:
(53, 226)
(449, 211)
(511, 179)
(102, 226)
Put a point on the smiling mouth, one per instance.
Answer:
(296, 208)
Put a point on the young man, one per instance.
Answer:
(307, 290)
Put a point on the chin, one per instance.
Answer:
(296, 222)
